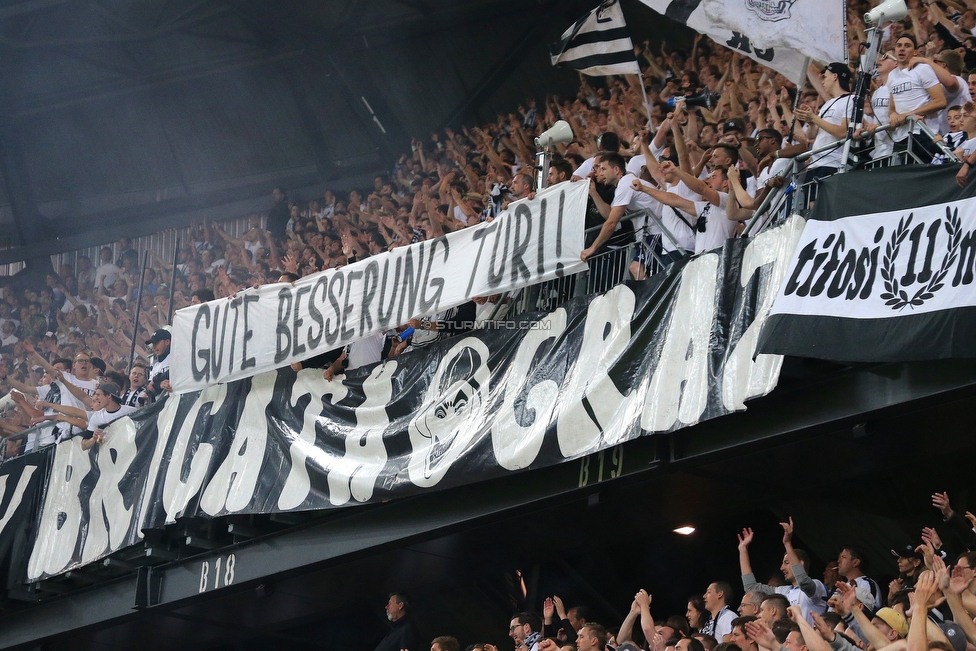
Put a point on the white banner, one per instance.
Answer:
(274, 325)
(786, 60)
(884, 265)
(816, 29)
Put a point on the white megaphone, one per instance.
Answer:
(887, 11)
(559, 133)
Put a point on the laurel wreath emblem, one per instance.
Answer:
(896, 297)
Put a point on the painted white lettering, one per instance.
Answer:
(515, 445)
(176, 492)
(354, 474)
(18, 495)
(108, 516)
(743, 378)
(60, 523)
(309, 382)
(232, 486)
(684, 354)
(606, 335)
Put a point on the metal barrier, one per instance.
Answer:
(22, 440)
(163, 244)
(796, 196)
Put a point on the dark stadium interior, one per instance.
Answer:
(597, 544)
(124, 118)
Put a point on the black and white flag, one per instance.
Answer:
(598, 44)
(785, 59)
(817, 29)
(883, 272)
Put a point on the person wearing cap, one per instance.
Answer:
(915, 92)
(957, 588)
(909, 567)
(831, 120)
(108, 408)
(159, 373)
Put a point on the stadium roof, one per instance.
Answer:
(122, 115)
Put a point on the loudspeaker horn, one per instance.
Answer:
(704, 99)
(559, 133)
(888, 11)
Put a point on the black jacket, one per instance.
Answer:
(403, 636)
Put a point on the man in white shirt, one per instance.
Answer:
(880, 98)
(610, 169)
(81, 380)
(806, 592)
(107, 272)
(712, 227)
(608, 142)
(947, 66)
(914, 92)
(720, 623)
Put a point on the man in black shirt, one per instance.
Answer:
(404, 635)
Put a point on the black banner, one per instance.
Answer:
(645, 357)
(19, 481)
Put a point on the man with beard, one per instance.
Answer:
(404, 635)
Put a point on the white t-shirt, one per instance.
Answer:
(69, 399)
(365, 351)
(968, 147)
(798, 597)
(101, 418)
(656, 151)
(460, 216)
(680, 223)
(584, 170)
(883, 144)
(834, 111)
(43, 436)
(106, 275)
(767, 173)
(909, 90)
(718, 227)
(626, 196)
(958, 98)
(635, 164)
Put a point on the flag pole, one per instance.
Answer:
(647, 108)
(135, 326)
(796, 100)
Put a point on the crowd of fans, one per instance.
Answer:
(697, 170)
(930, 604)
